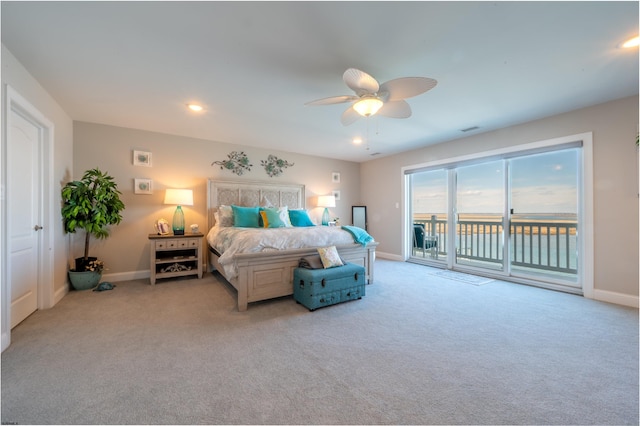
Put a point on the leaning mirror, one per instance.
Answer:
(359, 216)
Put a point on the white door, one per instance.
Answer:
(23, 215)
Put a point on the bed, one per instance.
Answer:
(261, 273)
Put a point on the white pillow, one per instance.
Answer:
(329, 257)
(284, 216)
(225, 213)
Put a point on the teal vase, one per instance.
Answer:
(178, 222)
(325, 217)
(84, 280)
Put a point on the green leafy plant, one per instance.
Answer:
(92, 204)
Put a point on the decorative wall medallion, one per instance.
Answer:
(237, 162)
(274, 165)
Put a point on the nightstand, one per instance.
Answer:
(175, 255)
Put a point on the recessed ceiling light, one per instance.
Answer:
(632, 42)
(194, 107)
(357, 141)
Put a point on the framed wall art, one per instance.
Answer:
(335, 177)
(336, 194)
(141, 158)
(143, 186)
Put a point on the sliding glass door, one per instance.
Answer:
(544, 215)
(480, 205)
(429, 207)
(515, 216)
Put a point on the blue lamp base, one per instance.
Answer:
(178, 222)
(325, 217)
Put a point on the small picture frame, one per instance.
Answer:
(143, 186)
(141, 158)
(336, 194)
(335, 177)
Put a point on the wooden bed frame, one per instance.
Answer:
(269, 275)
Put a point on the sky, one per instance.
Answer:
(541, 183)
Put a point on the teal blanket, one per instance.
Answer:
(359, 235)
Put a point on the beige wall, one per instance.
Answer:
(614, 126)
(179, 162)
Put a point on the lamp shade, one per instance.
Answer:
(180, 197)
(326, 201)
(368, 106)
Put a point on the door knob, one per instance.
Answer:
(37, 228)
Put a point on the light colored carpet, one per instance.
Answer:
(465, 278)
(417, 349)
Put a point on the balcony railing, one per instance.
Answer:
(545, 245)
(548, 245)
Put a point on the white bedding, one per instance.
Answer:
(231, 240)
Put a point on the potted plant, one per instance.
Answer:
(92, 204)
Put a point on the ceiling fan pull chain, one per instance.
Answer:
(367, 133)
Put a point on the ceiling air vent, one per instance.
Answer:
(376, 153)
(468, 129)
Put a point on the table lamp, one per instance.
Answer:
(181, 197)
(326, 201)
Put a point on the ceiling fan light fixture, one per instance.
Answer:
(367, 106)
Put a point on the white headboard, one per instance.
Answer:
(252, 193)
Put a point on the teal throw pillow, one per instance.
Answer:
(270, 218)
(245, 217)
(300, 218)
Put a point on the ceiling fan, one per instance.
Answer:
(387, 99)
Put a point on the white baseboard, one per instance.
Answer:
(617, 298)
(389, 256)
(126, 276)
(58, 295)
(6, 340)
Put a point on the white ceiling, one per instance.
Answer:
(253, 65)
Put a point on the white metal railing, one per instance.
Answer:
(549, 245)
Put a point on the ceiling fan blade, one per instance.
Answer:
(360, 82)
(395, 109)
(333, 100)
(349, 116)
(407, 87)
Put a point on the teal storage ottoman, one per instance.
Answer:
(315, 288)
